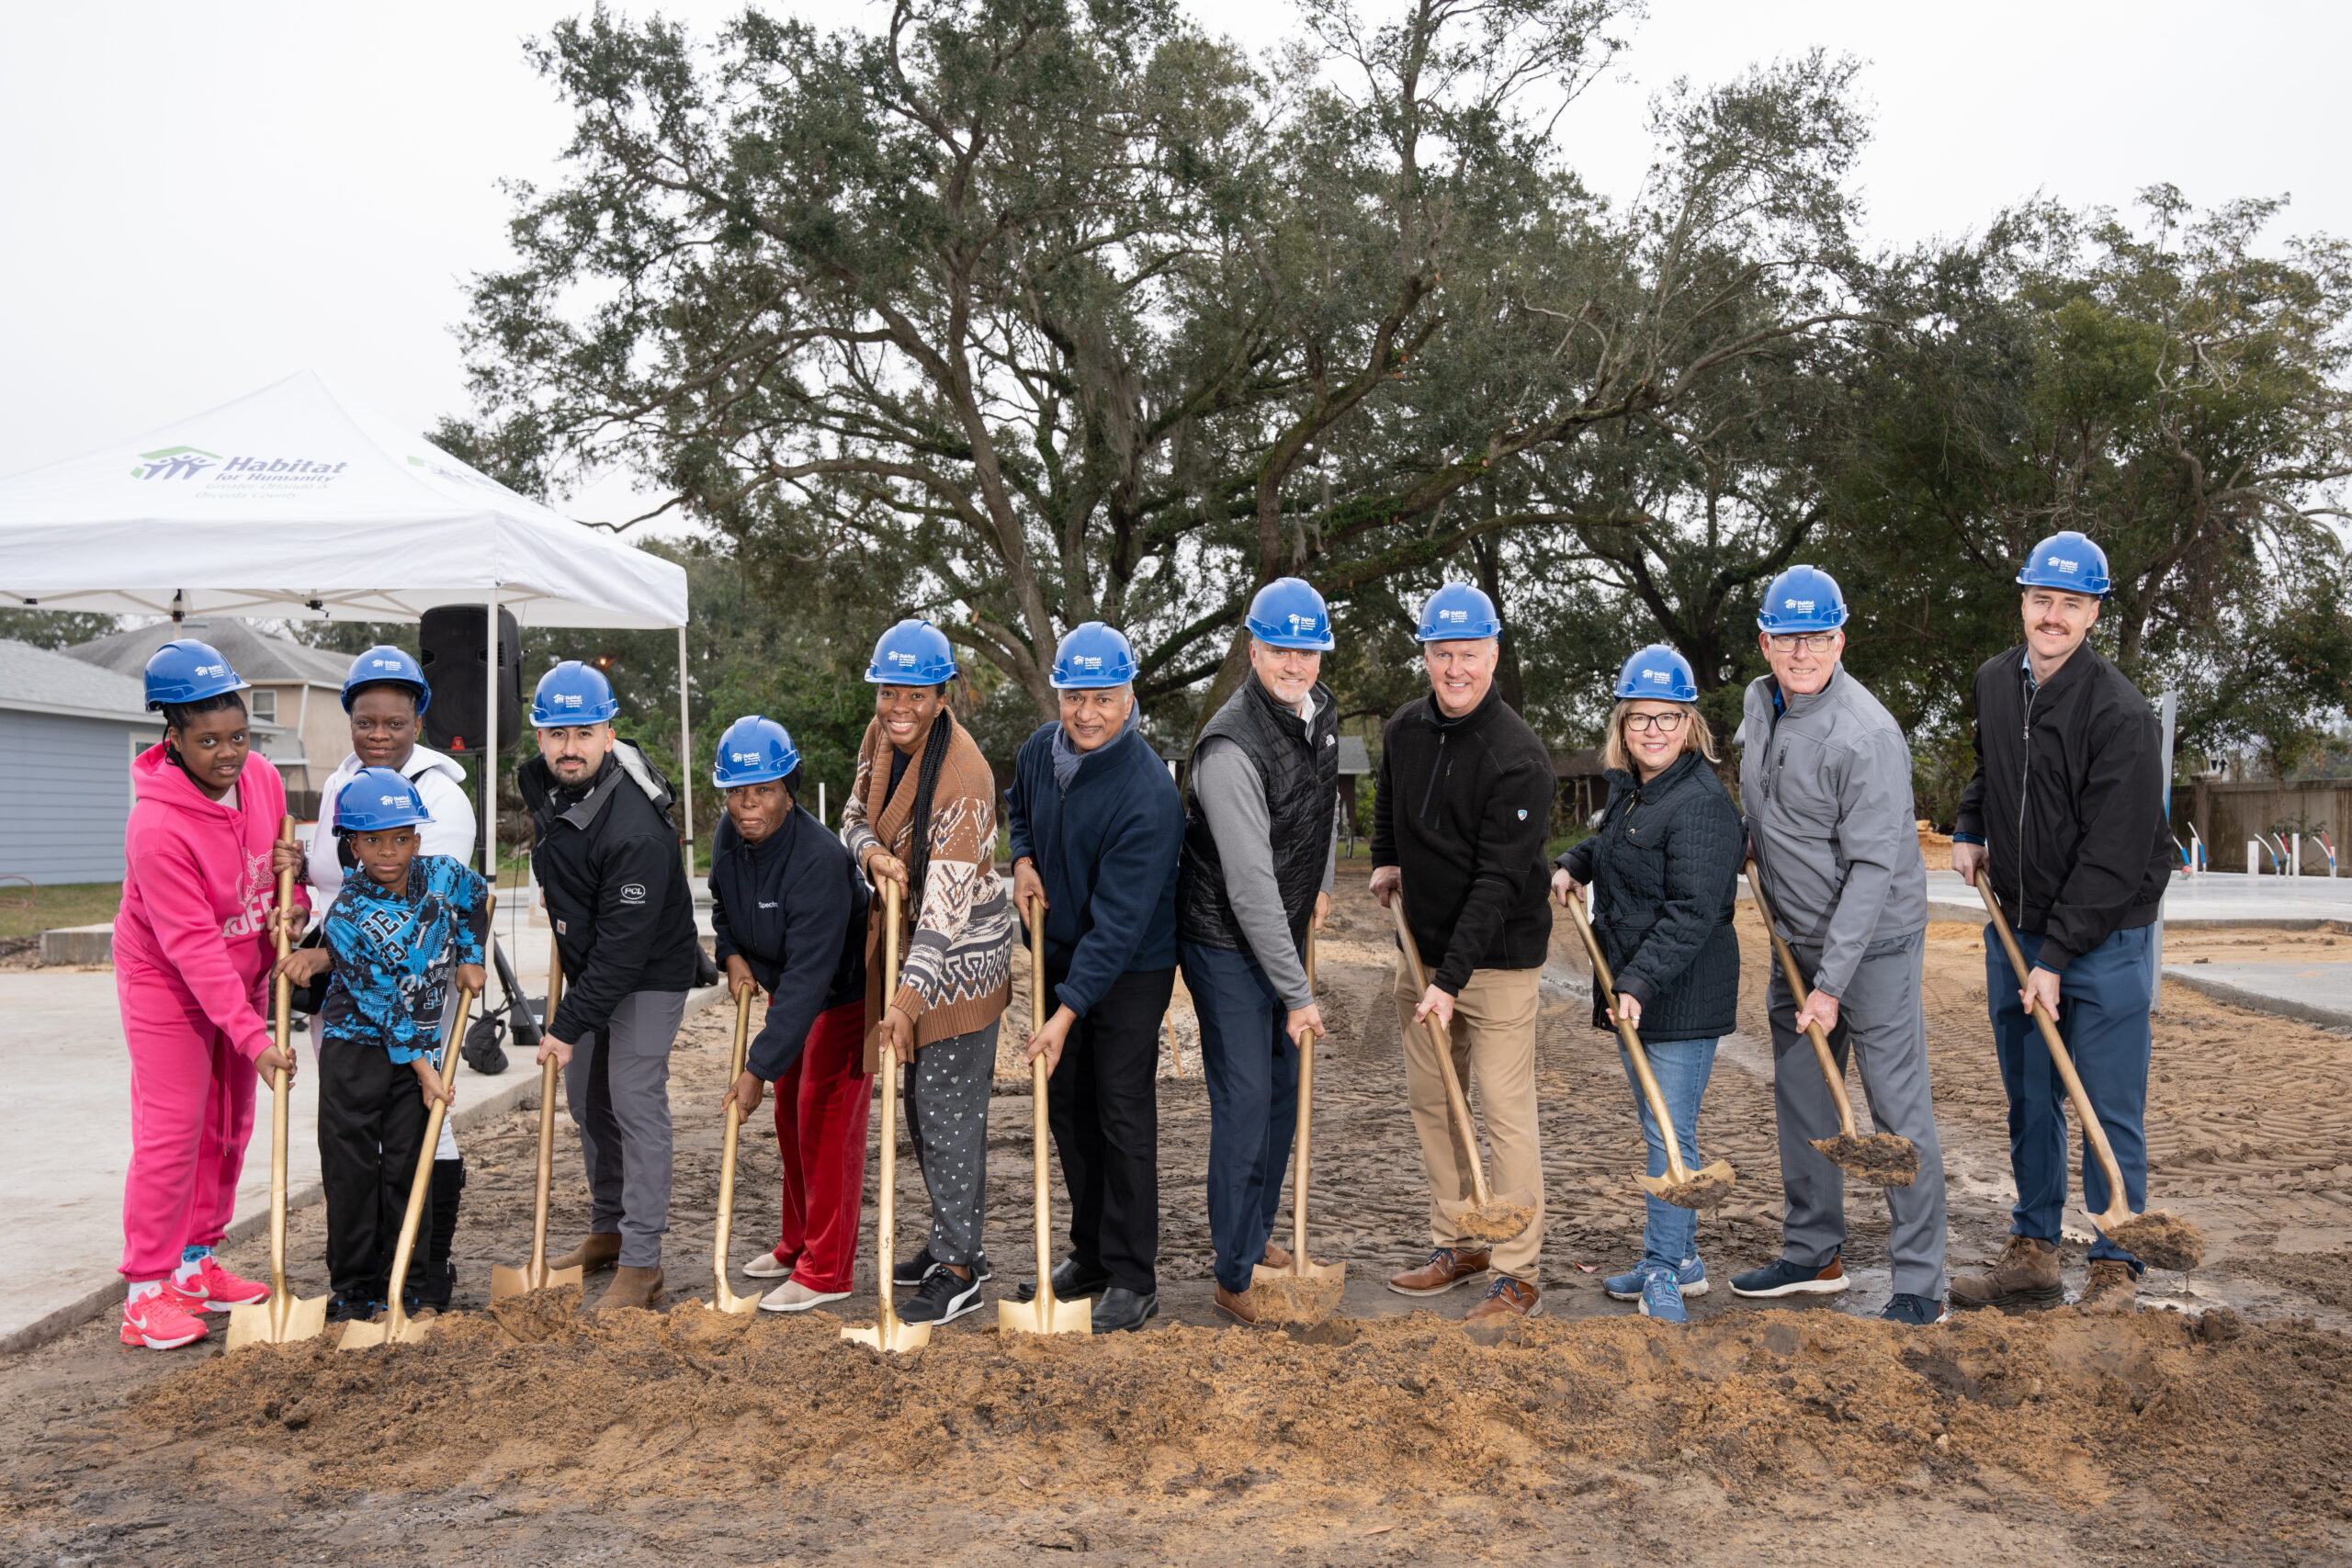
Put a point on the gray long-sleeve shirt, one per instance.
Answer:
(1825, 784)
(1232, 798)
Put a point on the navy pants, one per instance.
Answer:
(2103, 1018)
(1252, 1072)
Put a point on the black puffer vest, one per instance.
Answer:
(1299, 765)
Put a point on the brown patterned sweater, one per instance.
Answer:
(955, 969)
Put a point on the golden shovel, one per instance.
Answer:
(1043, 1314)
(536, 1275)
(1484, 1218)
(888, 1332)
(1680, 1186)
(723, 1298)
(397, 1327)
(285, 1316)
(1305, 1289)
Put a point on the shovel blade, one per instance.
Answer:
(505, 1281)
(895, 1337)
(1262, 1273)
(281, 1320)
(364, 1335)
(1043, 1316)
(1505, 1216)
(729, 1302)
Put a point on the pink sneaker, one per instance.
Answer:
(160, 1322)
(214, 1288)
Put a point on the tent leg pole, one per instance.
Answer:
(685, 763)
(490, 741)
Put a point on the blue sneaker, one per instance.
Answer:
(1783, 1278)
(1661, 1298)
(1690, 1278)
(1914, 1312)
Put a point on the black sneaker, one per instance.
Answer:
(942, 1298)
(914, 1270)
(1914, 1312)
(351, 1309)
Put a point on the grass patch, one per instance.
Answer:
(29, 911)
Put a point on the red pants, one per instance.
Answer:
(820, 1117)
(191, 1112)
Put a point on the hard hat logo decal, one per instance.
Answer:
(212, 670)
(1454, 615)
(1803, 607)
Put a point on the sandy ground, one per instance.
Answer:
(1750, 1436)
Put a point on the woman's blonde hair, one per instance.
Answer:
(1696, 735)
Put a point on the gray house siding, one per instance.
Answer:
(65, 786)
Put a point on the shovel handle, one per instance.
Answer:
(1675, 1171)
(1797, 989)
(1040, 1130)
(1305, 1129)
(282, 1029)
(2074, 1090)
(548, 1085)
(421, 1183)
(1444, 1046)
(884, 1235)
(725, 1225)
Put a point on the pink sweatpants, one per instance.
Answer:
(191, 1112)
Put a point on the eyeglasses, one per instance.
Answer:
(1665, 723)
(1810, 642)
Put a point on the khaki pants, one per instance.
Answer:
(1494, 1049)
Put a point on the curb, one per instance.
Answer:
(2238, 996)
(524, 1092)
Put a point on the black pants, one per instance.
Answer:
(1103, 1107)
(371, 1130)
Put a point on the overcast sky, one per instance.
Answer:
(195, 201)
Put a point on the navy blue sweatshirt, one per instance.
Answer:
(793, 907)
(1106, 850)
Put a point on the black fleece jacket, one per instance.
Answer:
(1462, 808)
(2068, 801)
(1665, 864)
(792, 907)
(608, 860)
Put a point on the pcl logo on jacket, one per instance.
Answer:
(632, 892)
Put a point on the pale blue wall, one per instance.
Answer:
(65, 794)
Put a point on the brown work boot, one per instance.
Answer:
(1446, 1268)
(631, 1287)
(2026, 1275)
(1237, 1308)
(598, 1249)
(2111, 1287)
(1507, 1297)
(1276, 1257)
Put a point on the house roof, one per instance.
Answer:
(35, 680)
(1354, 758)
(254, 655)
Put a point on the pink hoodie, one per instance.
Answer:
(197, 891)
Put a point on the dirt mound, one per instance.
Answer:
(1882, 1159)
(2071, 1406)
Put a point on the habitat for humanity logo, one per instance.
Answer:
(234, 476)
(174, 463)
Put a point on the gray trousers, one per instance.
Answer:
(1882, 1026)
(619, 1093)
(947, 1121)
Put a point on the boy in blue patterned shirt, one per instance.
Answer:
(397, 935)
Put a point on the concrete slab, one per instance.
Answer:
(2212, 900)
(78, 944)
(2316, 993)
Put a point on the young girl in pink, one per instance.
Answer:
(193, 946)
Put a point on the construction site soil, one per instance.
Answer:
(2215, 1425)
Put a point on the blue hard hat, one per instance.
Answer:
(187, 671)
(570, 694)
(1658, 673)
(1288, 613)
(376, 799)
(755, 750)
(386, 665)
(1802, 599)
(1093, 657)
(2067, 561)
(1457, 613)
(913, 653)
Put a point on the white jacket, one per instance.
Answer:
(440, 784)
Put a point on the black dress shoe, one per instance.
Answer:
(1068, 1283)
(1119, 1308)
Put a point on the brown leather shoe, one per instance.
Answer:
(1446, 1268)
(1507, 1297)
(2111, 1288)
(598, 1249)
(1276, 1257)
(1237, 1308)
(631, 1287)
(2027, 1275)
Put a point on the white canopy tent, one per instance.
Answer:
(298, 504)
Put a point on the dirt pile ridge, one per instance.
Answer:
(2214, 1419)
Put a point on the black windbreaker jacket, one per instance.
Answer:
(2068, 801)
(609, 862)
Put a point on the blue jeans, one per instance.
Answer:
(1681, 1068)
(2103, 1018)
(1251, 1067)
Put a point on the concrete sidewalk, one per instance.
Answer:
(62, 1054)
(2316, 993)
(2211, 901)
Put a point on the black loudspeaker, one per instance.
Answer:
(454, 648)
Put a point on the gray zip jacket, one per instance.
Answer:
(1825, 784)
